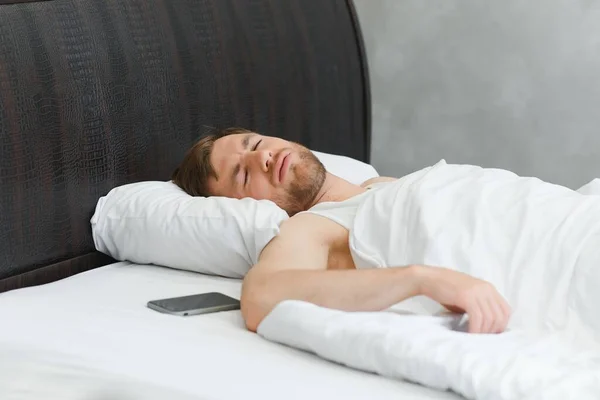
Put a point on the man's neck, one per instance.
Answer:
(336, 189)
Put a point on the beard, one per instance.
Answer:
(308, 177)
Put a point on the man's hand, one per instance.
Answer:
(488, 311)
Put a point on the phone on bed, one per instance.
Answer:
(204, 303)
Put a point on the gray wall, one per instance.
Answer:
(513, 84)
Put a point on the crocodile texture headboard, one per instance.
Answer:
(99, 93)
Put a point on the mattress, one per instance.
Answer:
(91, 337)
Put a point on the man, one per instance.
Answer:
(310, 259)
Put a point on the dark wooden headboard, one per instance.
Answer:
(99, 93)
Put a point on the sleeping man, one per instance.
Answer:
(485, 242)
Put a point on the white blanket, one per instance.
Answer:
(426, 350)
(538, 243)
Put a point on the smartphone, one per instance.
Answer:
(195, 304)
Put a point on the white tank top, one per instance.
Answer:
(343, 212)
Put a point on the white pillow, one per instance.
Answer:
(350, 169)
(158, 223)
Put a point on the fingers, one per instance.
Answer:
(488, 313)
(498, 320)
(490, 318)
(483, 317)
(475, 318)
(506, 311)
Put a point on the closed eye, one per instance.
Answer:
(246, 169)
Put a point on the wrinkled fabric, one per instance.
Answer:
(433, 351)
(536, 242)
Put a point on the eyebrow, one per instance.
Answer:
(236, 169)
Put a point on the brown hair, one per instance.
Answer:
(195, 170)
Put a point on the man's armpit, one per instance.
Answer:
(299, 245)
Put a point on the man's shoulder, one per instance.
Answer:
(376, 180)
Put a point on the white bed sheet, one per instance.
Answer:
(92, 337)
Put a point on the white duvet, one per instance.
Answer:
(538, 243)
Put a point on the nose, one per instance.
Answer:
(262, 158)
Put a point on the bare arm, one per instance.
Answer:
(294, 267)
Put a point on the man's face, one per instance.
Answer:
(265, 167)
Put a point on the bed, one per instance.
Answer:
(95, 94)
(91, 336)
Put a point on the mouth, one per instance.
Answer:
(282, 167)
